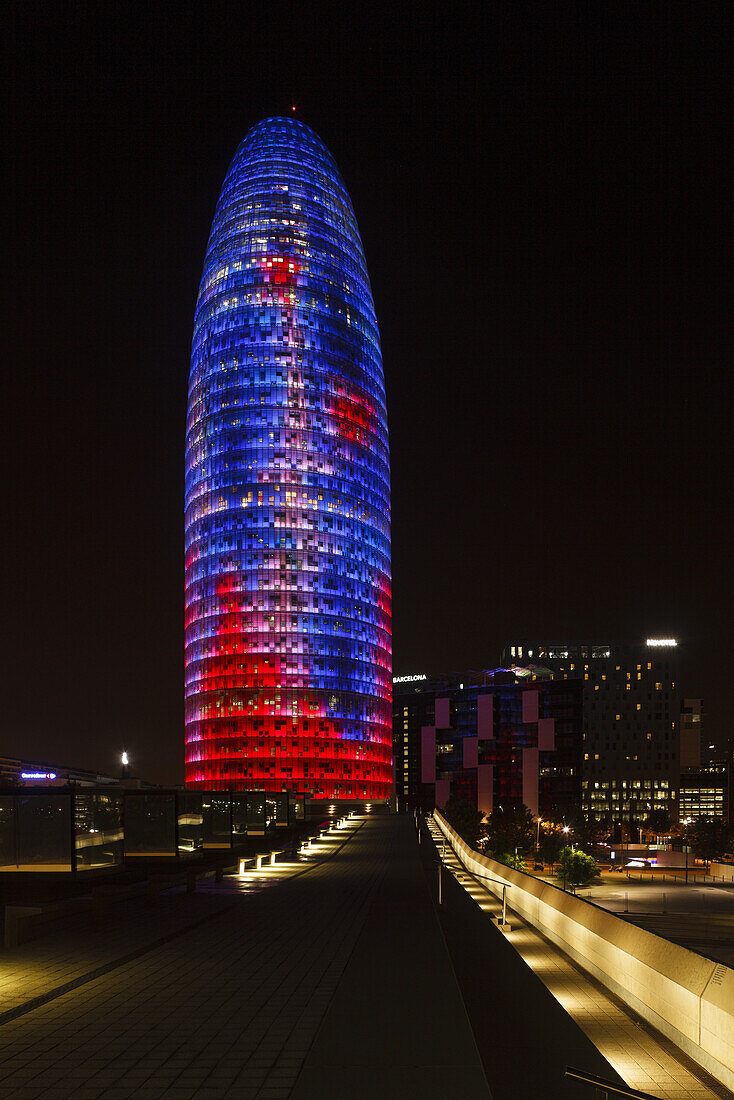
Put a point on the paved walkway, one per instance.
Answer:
(643, 1059)
(83, 945)
(335, 982)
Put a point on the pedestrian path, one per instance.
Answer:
(645, 1060)
(84, 946)
(335, 982)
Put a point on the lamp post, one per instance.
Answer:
(686, 821)
(567, 829)
(537, 842)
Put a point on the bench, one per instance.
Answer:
(258, 859)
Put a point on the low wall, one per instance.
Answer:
(686, 997)
(723, 871)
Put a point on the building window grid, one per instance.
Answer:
(287, 488)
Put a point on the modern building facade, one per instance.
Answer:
(288, 615)
(496, 737)
(705, 791)
(691, 734)
(631, 762)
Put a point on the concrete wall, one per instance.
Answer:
(686, 997)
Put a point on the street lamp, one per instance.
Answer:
(686, 821)
(537, 842)
(566, 830)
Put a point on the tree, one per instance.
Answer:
(709, 838)
(576, 868)
(517, 863)
(552, 841)
(463, 816)
(588, 832)
(510, 827)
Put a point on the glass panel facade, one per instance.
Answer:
(8, 859)
(43, 824)
(288, 615)
(216, 810)
(276, 810)
(256, 813)
(239, 818)
(190, 823)
(98, 835)
(150, 824)
(296, 808)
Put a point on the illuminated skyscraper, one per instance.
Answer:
(288, 638)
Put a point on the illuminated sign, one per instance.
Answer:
(38, 775)
(661, 641)
(408, 679)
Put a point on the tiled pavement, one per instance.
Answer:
(83, 944)
(335, 983)
(232, 1006)
(646, 1060)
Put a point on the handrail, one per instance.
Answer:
(601, 1083)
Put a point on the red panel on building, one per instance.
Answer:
(471, 753)
(530, 706)
(485, 716)
(530, 778)
(443, 714)
(485, 788)
(428, 754)
(546, 734)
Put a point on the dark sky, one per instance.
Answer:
(544, 195)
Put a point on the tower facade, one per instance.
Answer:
(288, 609)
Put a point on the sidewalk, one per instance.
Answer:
(83, 946)
(340, 970)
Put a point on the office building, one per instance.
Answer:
(630, 763)
(495, 737)
(288, 617)
(705, 791)
(692, 749)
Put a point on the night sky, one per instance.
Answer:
(544, 196)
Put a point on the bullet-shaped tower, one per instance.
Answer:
(288, 638)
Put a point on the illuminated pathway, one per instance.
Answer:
(75, 953)
(334, 982)
(340, 980)
(645, 1060)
